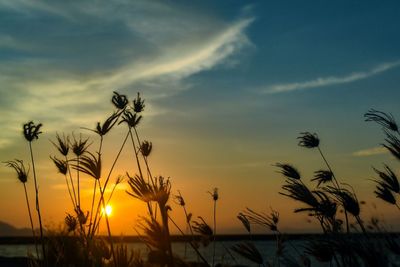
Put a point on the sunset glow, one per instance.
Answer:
(228, 88)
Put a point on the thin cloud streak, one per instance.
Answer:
(332, 80)
(370, 152)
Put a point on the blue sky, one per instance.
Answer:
(228, 85)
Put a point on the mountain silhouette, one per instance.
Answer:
(7, 229)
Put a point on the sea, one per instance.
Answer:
(223, 254)
(294, 249)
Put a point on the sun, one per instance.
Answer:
(108, 210)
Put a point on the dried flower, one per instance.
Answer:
(61, 165)
(270, 221)
(146, 148)
(382, 118)
(31, 131)
(71, 223)
(245, 221)
(107, 125)
(18, 166)
(138, 104)
(90, 165)
(288, 171)
(179, 200)
(322, 176)
(79, 146)
(308, 140)
(62, 144)
(389, 179)
(214, 194)
(384, 193)
(393, 144)
(131, 119)
(119, 101)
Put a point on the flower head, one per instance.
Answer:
(70, 222)
(288, 171)
(214, 194)
(138, 104)
(103, 129)
(383, 192)
(62, 144)
(61, 165)
(244, 220)
(322, 176)
(308, 140)
(18, 166)
(180, 200)
(31, 131)
(89, 164)
(389, 179)
(146, 148)
(79, 146)
(131, 119)
(382, 118)
(119, 101)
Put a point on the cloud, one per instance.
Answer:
(370, 152)
(51, 82)
(331, 80)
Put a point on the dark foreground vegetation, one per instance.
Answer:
(346, 239)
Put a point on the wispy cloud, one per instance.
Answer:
(331, 80)
(78, 96)
(370, 152)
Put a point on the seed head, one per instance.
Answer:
(62, 144)
(308, 140)
(18, 166)
(146, 148)
(288, 171)
(119, 101)
(61, 165)
(71, 223)
(131, 119)
(214, 194)
(138, 104)
(322, 176)
(79, 146)
(31, 131)
(382, 118)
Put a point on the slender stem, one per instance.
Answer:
(91, 211)
(164, 217)
(361, 224)
(78, 181)
(31, 221)
(215, 231)
(337, 186)
(190, 242)
(72, 181)
(69, 191)
(37, 204)
(110, 172)
(108, 225)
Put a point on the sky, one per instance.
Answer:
(228, 85)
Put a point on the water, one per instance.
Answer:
(293, 249)
(222, 254)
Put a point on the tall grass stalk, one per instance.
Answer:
(38, 203)
(31, 220)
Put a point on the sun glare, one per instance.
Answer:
(108, 210)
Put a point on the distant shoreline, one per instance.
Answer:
(17, 240)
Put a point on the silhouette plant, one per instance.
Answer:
(22, 175)
(31, 132)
